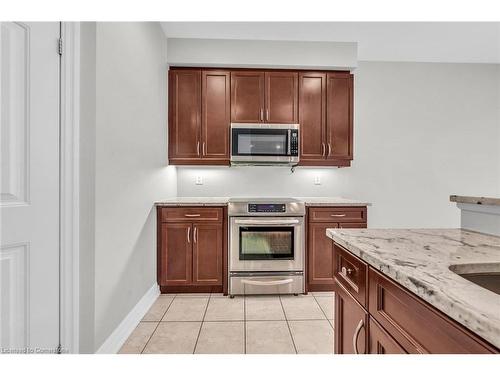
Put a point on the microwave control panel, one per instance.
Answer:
(266, 207)
(294, 143)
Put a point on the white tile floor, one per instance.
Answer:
(214, 324)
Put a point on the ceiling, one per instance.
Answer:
(460, 42)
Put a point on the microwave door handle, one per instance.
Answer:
(266, 222)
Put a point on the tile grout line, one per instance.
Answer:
(244, 324)
(323, 311)
(288, 325)
(202, 321)
(157, 324)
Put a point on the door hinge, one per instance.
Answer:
(60, 46)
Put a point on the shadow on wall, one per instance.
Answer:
(136, 278)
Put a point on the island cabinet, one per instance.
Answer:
(326, 118)
(374, 314)
(191, 248)
(320, 275)
(199, 117)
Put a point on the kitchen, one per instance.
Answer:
(255, 188)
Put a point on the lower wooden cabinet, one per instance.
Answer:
(191, 249)
(351, 324)
(392, 320)
(320, 266)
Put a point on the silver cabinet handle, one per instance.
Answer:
(267, 114)
(346, 271)
(192, 215)
(323, 149)
(195, 235)
(189, 235)
(198, 147)
(203, 149)
(338, 215)
(356, 335)
(329, 149)
(261, 114)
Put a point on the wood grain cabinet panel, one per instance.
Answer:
(190, 214)
(176, 258)
(351, 324)
(216, 115)
(281, 97)
(312, 116)
(184, 114)
(339, 121)
(320, 257)
(207, 254)
(352, 273)
(380, 342)
(417, 326)
(338, 214)
(247, 96)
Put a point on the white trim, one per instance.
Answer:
(69, 185)
(115, 341)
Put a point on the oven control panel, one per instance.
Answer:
(266, 207)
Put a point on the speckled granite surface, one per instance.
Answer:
(222, 201)
(475, 200)
(420, 260)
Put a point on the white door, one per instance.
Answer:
(29, 181)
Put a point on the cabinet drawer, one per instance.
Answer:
(414, 324)
(182, 214)
(337, 214)
(351, 272)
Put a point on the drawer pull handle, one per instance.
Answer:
(347, 271)
(189, 234)
(267, 282)
(356, 335)
(192, 215)
(338, 215)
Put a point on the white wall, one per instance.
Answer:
(262, 53)
(422, 131)
(130, 165)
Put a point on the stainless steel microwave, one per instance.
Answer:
(265, 144)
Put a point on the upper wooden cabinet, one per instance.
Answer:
(270, 97)
(204, 102)
(326, 118)
(184, 115)
(247, 96)
(216, 115)
(199, 116)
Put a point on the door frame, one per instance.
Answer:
(69, 168)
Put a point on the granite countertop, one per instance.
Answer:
(475, 200)
(222, 201)
(420, 260)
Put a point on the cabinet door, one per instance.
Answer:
(380, 342)
(350, 324)
(207, 254)
(281, 97)
(352, 225)
(247, 97)
(312, 115)
(184, 114)
(339, 116)
(216, 116)
(320, 260)
(176, 254)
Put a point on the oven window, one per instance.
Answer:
(260, 243)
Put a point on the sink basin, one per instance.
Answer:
(485, 275)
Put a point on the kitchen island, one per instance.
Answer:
(427, 264)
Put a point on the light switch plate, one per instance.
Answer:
(317, 180)
(198, 180)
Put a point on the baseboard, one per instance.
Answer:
(115, 341)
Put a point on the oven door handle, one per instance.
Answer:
(267, 222)
(267, 283)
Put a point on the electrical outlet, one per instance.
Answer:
(317, 180)
(198, 180)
